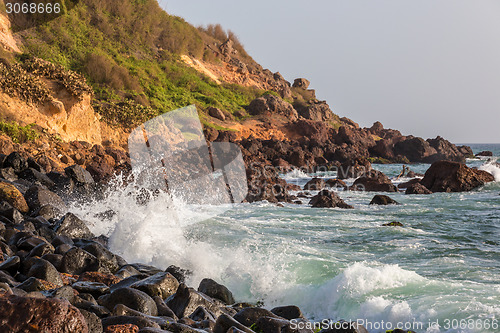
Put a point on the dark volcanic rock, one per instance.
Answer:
(225, 322)
(485, 153)
(22, 314)
(444, 176)
(132, 298)
(16, 162)
(36, 197)
(44, 270)
(336, 184)
(249, 316)
(213, 289)
(417, 188)
(187, 300)
(446, 151)
(127, 322)
(76, 261)
(383, 200)
(393, 224)
(161, 284)
(70, 225)
(374, 181)
(328, 199)
(288, 312)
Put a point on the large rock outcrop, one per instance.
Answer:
(445, 176)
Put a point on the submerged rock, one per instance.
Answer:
(445, 176)
(383, 200)
(393, 224)
(417, 188)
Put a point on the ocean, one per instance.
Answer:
(438, 273)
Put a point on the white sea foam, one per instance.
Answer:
(295, 174)
(493, 168)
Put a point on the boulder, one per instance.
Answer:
(315, 184)
(301, 83)
(288, 312)
(446, 151)
(79, 176)
(70, 225)
(270, 104)
(445, 176)
(37, 196)
(35, 176)
(328, 199)
(187, 300)
(215, 290)
(76, 261)
(409, 183)
(485, 153)
(318, 112)
(216, 113)
(225, 322)
(23, 314)
(161, 284)
(383, 200)
(374, 181)
(249, 316)
(16, 162)
(132, 298)
(417, 188)
(12, 195)
(96, 289)
(44, 270)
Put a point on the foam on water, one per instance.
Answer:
(493, 168)
(295, 174)
(261, 252)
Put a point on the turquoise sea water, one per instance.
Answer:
(442, 267)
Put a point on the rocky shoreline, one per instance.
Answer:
(56, 276)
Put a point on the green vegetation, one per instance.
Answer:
(18, 133)
(129, 52)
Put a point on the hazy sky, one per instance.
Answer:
(425, 67)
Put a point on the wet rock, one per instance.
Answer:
(393, 224)
(95, 289)
(213, 289)
(41, 249)
(225, 322)
(65, 292)
(161, 284)
(202, 314)
(273, 325)
(71, 226)
(417, 188)
(36, 197)
(249, 316)
(383, 200)
(374, 181)
(132, 298)
(146, 269)
(122, 310)
(11, 265)
(106, 258)
(76, 261)
(36, 177)
(107, 279)
(12, 195)
(94, 323)
(10, 213)
(315, 184)
(408, 183)
(48, 212)
(54, 259)
(445, 176)
(126, 272)
(79, 175)
(288, 312)
(33, 284)
(22, 314)
(139, 322)
(16, 162)
(8, 174)
(328, 199)
(187, 300)
(44, 270)
(163, 309)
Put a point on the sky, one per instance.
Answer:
(424, 67)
